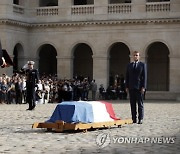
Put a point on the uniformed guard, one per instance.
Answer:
(31, 81)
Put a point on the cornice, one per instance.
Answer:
(84, 23)
(13, 22)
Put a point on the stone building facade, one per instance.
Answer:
(95, 38)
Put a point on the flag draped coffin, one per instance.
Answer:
(83, 112)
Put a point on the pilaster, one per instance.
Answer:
(31, 4)
(100, 7)
(175, 5)
(139, 8)
(65, 8)
(64, 67)
(100, 69)
(5, 8)
(174, 73)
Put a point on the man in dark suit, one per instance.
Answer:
(136, 78)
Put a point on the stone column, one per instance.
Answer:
(30, 8)
(100, 7)
(64, 67)
(22, 2)
(5, 2)
(139, 8)
(6, 8)
(174, 73)
(31, 4)
(65, 8)
(100, 69)
(175, 7)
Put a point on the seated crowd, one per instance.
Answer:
(50, 89)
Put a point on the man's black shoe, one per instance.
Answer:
(33, 107)
(140, 121)
(30, 109)
(134, 121)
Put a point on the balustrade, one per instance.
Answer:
(158, 7)
(47, 11)
(18, 9)
(83, 9)
(119, 8)
(122, 8)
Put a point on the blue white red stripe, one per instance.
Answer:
(84, 112)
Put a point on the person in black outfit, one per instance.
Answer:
(31, 81)
(123, 87)
(136, 78)
(18, 90)
(2, 59)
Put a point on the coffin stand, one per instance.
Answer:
(60, 126)
(82, 115)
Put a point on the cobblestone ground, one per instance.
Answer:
(162, 121)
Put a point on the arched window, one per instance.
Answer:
(158, 67)
(18, 53)
(119, 1)
(83, 61)
(16, 2)
(47, 60)
(83, 2)
(157, 0)
(118, 60)
(44, 3)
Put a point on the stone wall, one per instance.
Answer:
(99, 25)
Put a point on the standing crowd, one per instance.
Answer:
(50, 89)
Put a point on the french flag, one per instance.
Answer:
(83, 112)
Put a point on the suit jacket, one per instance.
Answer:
(32, 77)
(136, 78)
(1, 54)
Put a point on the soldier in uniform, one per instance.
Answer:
(31, 81)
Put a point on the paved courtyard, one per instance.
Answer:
(160, 132)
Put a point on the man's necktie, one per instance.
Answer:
(134, 65)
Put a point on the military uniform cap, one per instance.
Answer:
(30, 62)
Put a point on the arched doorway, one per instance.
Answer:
(118, 60)
(83, 62)
(158, 67)
(18, 57)
(47, 60)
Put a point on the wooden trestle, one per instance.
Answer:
(60, 126)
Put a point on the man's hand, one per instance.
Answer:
(4, 63)
(143, 90)
(127, 90)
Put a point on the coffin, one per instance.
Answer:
(83, 112)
